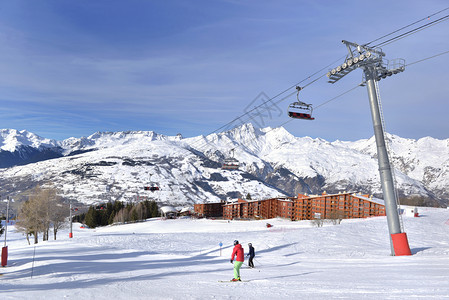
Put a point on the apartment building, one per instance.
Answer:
(303, 207)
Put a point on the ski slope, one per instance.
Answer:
(180, 259)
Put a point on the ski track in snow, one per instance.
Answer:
(180, 259)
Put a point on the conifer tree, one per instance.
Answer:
(91, 217)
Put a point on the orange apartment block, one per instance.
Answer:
(209, 209)
(303, 207)
(343, 205)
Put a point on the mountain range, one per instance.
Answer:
(119, 165)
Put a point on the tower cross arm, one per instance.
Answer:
(360, 48)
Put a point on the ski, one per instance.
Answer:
(233, 281)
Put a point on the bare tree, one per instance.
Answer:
(40, 211)
(59, 213)
(122, 216)
(318, 222)
(27, 220)
(335, 216)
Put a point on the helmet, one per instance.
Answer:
(236, 242)
(250, 244)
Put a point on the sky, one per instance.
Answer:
(72, 68)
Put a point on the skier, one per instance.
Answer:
(240, 257)
(251, 255)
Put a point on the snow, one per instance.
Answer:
(180, 259)
(118, 165)
(12, 139)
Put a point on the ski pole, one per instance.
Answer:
(32, 266)
(257, 261)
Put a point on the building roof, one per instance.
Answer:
(186, 209)
(358, 195)
(168, 209)
(372, 199)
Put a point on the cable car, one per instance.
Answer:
(299, 109)
(230, 163)
(151, 188)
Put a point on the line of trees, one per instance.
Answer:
(117, 212)
(43, 210)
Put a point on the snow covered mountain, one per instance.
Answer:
(23, 147)
(117, 165)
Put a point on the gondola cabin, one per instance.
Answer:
(230, 164)
(300, 110)
(151, 188)
(302, 116)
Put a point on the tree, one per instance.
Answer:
(117, 212)
(59, 215)
(121, 216)
(335, 216)
(317, 222)
(27, 220)
(134, 213)
(152, 208)
(414, 200)
(248, 197)
(40, 211)
(91, 218)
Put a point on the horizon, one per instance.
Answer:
(184, 137)
(72, 69)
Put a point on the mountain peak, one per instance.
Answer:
(12, 139)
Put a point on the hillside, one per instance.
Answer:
(180, 259)
(117, 165)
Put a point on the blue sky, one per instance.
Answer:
(71, 68)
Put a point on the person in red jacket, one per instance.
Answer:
(237, 252)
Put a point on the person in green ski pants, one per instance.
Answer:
(237, 252)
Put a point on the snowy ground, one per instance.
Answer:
(180, 259)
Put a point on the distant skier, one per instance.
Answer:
(240, 257)
(251, 255)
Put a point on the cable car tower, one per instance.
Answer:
(375, 67)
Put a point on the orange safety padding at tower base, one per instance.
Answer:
(400, 244)
(4, 256)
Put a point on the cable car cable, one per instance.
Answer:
(413, 31)
(426, 18)
(279, 94)
(335, 98)
(421, 60)
(425, 26)
(252, 116)
(338, 96)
